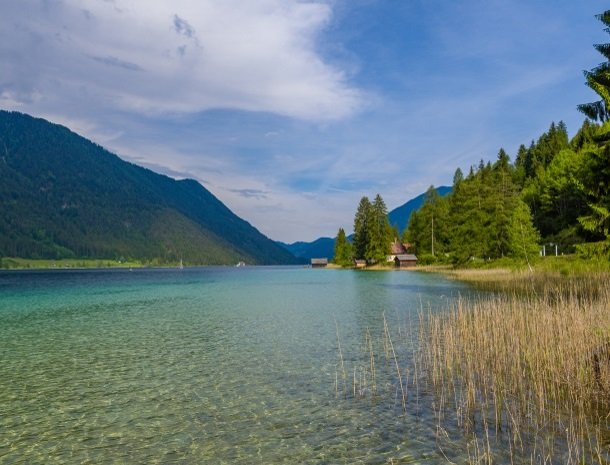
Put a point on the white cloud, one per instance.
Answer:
(166, 57)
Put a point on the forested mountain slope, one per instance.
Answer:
(63, 196)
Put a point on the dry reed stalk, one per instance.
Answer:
(340, 358)
(527, 364)
(397, 365)
(369, 344)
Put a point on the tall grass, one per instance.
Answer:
(531, 371)
(523, 376)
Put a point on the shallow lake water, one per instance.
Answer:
(205, 365)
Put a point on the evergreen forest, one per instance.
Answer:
(554, 193)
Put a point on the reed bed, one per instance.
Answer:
(524, 282)
(531, 372)
(519, 377)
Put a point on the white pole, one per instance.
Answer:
(433, 235)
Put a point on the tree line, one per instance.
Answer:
(372, 234)
(557, 191)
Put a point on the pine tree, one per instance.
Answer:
(379, 232)
(503, 197)
(469, 218)
(596, 182)
(361, 228)
(519, 174)
(343, 249)
(458, 177)
(584, 136)
(503, 159)
(598, 79)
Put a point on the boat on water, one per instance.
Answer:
(240, 264)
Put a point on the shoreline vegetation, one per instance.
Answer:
(16, 263)
(520, 374)
(476, 272)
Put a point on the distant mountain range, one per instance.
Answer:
(62, 196)
(324, 246)
(399, 217)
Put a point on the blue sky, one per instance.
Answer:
(289, 111)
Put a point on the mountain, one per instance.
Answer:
(63, 196)
(400, 215)
(320, 248)
(324, 246)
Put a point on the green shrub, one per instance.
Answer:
(592, 250)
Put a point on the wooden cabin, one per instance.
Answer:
(396, 248)
(406, 260)
(319, 262)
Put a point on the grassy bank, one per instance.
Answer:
(563, 264)
(24, 263)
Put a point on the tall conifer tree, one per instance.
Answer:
(361, 227)
(598, 79)
(597, 179)
(379, 232)
(343, 249)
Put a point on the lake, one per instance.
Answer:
(207, 365)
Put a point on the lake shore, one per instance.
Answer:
(505, 269)
(16, 263)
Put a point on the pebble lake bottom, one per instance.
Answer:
(208, 366)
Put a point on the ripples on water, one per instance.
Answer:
(210, 365)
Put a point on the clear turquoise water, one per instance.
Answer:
(197, 366)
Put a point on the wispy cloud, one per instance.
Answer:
(114, 61)
(181, 26)
(251, 193)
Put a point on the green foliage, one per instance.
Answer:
(483, 218)
(595, 180)
(598, 79)
(380, 233)
(361, 227)
(25, 263)
(557, 190)
(458, 177)
(524, 238)
(557, 193)
(540, 154)
(428, 229)
(596, 175)
(343, 250)
(429, 259)
(372, 231)
(470, 215)
(593, 250)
